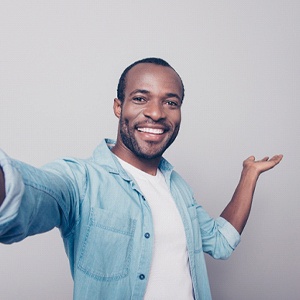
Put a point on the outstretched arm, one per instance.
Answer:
(2, 186)
(238, 209)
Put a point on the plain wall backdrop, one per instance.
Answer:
(60, 62)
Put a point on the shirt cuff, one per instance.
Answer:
(14, 189)
(230, 233)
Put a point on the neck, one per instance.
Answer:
(146, 165)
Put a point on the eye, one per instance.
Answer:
(139, 99)
(172, 103)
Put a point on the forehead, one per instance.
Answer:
(154, 78)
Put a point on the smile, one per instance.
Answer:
(151, 130)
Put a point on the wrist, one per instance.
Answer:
(250, 172)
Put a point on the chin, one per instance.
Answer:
(150, 153)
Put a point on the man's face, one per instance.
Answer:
(150, 114)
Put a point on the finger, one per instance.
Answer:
(251, 158)
(274, 161)
(277, 158)
(266, 158)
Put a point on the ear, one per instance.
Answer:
(117, 107)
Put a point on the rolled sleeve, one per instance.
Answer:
(229, 232)
(14, 189)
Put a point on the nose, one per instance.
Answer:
(154, 110)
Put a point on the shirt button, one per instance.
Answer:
(147, 235)
(142, 276)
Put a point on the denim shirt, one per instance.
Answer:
(105, 222)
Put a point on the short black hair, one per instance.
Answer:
(149, 60)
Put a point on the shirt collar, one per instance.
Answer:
(107, 159)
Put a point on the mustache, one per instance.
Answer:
(162, 123)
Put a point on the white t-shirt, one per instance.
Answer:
(170, 273)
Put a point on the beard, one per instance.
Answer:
(150, 150)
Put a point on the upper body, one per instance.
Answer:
(106, 223)
(70, 195)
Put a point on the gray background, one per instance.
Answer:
(59, 66)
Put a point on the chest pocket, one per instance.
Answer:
(107, 248)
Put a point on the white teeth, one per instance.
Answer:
(151, 130)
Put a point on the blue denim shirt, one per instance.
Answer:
(105, 222)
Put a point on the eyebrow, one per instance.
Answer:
(172, 95)
(169, 95)
(139, 91)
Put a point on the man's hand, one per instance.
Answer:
(262, 165)
(238, 209)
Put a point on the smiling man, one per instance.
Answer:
(130, 224)
(150, 113)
